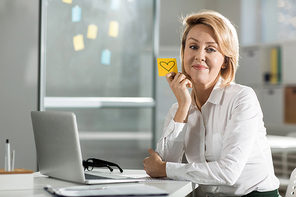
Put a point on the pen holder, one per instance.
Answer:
(17, 179)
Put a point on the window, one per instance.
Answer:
(277, 21)
(97, 60)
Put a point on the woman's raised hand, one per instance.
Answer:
(178, 83)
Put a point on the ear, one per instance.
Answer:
(226, 59)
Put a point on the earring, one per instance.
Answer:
(224, 66)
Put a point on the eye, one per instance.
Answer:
(193, 47)
(210, 49)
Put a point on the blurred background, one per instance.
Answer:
(97, 58)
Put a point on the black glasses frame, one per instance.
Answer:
(90, 163)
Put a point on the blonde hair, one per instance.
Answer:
(226, 39)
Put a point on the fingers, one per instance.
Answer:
(187, 83)
(151, 151)
(178, 78)
(170, 76)
(153, 156)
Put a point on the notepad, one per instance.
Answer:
(113, 29)
(67, 1)
(92, 31)
(166, 65)
(78, 42)
(108, 190)
(106, 57)
(76, 14)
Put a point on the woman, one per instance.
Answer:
(219, 125)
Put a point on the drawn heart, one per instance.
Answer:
(167, 66)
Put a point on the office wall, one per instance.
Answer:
(171, 12)
(170, 25)
(18, 78)
(229, 8)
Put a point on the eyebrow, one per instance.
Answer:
(198, 41)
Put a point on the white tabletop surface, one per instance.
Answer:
(281, 143)
(174, 188)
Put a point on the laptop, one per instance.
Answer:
(59, 153)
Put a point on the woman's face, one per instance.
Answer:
(202, 56)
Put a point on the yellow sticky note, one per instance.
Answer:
(113, 29)
(67, 1)
(78, 42)
(92, 31)
(166, 65)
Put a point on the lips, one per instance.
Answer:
(199, 67)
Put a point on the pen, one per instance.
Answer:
(7, 152)
(5, 162)
(13, 160)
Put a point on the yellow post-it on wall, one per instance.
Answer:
(67, 1)
(113, 28)
(78, 42)
(92, 31)
(166, 65)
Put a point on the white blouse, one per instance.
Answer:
(225, 144)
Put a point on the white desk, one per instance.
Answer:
(174, 188)
(281, 143)
(282, 146)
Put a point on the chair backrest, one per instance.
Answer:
(291, 189)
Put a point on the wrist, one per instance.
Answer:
(181, 114)
(184, 106)
(164, 169)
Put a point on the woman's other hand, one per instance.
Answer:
(153, 165)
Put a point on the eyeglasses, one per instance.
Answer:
(90, 163)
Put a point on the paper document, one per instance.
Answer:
(108, 190)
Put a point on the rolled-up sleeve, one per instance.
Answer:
(171, 144)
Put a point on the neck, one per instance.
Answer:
(202, 93)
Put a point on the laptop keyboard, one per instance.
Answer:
(147, 178)
(90, 177)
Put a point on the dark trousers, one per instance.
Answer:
(274, 193)
(198, 193)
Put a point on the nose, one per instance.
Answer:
(200, 55)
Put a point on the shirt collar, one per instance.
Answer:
(216, 94)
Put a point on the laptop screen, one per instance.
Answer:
(57, 145)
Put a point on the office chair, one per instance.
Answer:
(291, 189)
